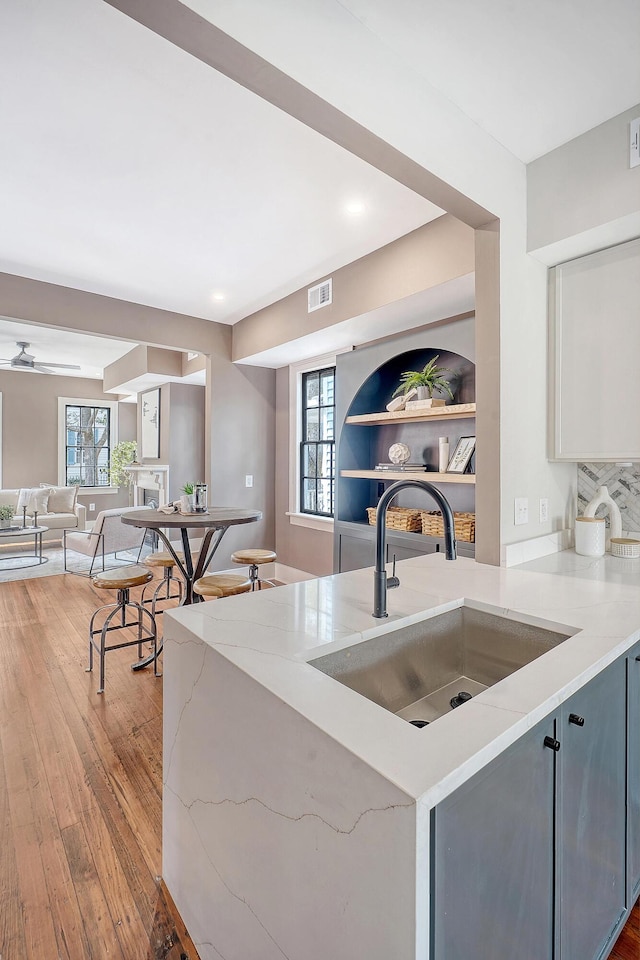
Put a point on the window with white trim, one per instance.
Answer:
(317, 443)
(87, 433)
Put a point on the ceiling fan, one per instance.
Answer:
(26, 361)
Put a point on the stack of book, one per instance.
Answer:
(405, 467)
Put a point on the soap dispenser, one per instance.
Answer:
(615, 519)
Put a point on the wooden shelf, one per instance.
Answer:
(458, 411)
(386, 476)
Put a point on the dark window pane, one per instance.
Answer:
(312, 381)
(325, 460)
(309, 495)
(326, 423)
(325, 504)
(327, 380)
(312, 432)
(309, 461)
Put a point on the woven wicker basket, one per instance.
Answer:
(399, 518)
(464, 525)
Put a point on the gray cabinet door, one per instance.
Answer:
(591, 815)
(493, 859)
(633, 775)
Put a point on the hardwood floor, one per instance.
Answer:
(628, 944)
(80, 789)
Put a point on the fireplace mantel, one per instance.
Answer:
(149, 476)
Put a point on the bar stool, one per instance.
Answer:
(221, 585)
(122, 579)
(162, 590)
(254, 558)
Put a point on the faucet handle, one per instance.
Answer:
(393, 581)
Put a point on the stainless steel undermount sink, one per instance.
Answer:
(419, 671)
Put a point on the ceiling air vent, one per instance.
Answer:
(320, 296)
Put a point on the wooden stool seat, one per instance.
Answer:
(163, 589)
(123, 614)
(122, 578)
(221, 585)
(161, 560)
(254, 556)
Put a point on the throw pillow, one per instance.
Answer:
(61, 499)
(34, 499)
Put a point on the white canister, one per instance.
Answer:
(590, 536)
(443, 454)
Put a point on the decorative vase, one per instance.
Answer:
(423, 393)
(186, 503)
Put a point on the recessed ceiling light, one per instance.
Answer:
(355, 207)
(218, 296)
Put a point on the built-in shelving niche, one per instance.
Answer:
(361, 445)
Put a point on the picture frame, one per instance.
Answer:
(461, 456)
(150, 424)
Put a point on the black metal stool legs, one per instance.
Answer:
(162, 590)
(119, 612)
(256, 580)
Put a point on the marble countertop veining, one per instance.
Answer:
(270, 636)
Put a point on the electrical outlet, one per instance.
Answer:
(92, 507)
(544, 509)
(248, 480)
(520, 510)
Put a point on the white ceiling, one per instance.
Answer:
(532, 73)
(48, 345)
(132, 170)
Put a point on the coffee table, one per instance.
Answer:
(17, 534)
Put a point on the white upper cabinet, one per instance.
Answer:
(594, 339)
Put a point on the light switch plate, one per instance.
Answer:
(248, 480)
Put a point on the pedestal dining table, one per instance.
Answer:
(211, 525)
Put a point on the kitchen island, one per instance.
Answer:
(302, 820)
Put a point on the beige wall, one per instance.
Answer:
(140, 361)
(440, 251)
(583, 196)
(30, 429)
(239, 405)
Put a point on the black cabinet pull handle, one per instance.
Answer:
(638, 658)
(552, 744)
(574, 718)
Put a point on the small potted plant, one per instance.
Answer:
(426, 381)
(186, 500)
(6, 516)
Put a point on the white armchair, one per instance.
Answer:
(109, 536)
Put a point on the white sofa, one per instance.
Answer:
(57, 507)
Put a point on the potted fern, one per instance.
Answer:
(426, 382)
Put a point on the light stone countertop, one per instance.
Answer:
(270, 635)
